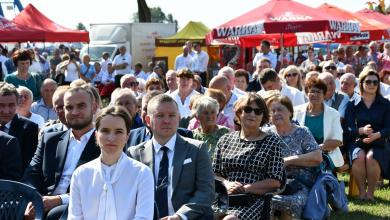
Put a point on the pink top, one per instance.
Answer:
(221, 120)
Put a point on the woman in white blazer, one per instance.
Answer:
(322, 120)
(112, 186)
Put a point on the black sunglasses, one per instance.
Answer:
(330, 67)
(134, 83)
(291, 74)
(248, 109)
(372, 82)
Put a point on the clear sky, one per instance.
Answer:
(211, 12)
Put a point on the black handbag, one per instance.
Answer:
(241, 199)
(292, 186)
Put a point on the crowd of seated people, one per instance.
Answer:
(162, 139)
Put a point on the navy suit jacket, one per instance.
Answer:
(47, 165)
(26, 132)
(141, 135)
(10, 158)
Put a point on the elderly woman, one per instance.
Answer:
(87, 71)
(222, 119)
(322, 120)
(205, 110)
(24, 106)
(301, 154)
(250, 160)
(112, 175)
(368, 128)
(293, 77)
(22, 59)
(384, 58)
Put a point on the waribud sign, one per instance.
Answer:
(242, 30)
(317, 37)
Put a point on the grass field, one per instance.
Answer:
(380, 209)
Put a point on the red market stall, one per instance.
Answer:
(371, 29)
(53, 32)
(281, 17)
(11, 32)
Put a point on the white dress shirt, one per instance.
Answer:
(75, 148)
(104, 64)
(119, 59)
(271, 56)
(158, 153)
(296, 97)
(129, 182)
(184, 108)
(107, 78)
(200, 61)
(183, 62)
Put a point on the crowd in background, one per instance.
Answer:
(290, 124)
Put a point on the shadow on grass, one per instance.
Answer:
(355, 215)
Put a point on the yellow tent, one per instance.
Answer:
(169, 47)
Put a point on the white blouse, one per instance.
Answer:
(129, 191)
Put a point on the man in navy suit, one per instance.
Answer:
(10, 158)
(25, 131)
(143, 134)
(60, 153)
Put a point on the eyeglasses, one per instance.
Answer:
(133, 84)
(248, 109)
(330, 67)
(372, 82)
(291, 74)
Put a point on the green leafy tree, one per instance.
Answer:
(157, 16)
(80, 26)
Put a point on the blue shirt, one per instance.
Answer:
(87, 72)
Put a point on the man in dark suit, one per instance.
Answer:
(143, 134)
(10, 158)
(22, 129)
(182, 167)
(60, 153)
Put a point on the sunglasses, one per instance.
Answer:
(291, 74)
(330, 67)
(134, 84)
(372, 82)
(248, 109)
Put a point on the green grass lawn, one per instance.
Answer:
(366, 210)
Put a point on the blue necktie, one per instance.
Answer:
(162, 184)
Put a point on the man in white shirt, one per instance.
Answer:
(122, 62)
(183, 60)
(200, 60)
(265, 52)
(59, 154)
(139, 73)
(105, 61)
(270, 80)
(348, 83)
(184, 92)
(182, 167)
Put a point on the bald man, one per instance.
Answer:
(348, 84)
(228, 72)
(334, 98)
(222, 83)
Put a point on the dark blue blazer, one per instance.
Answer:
(141, 135)
(47, 165)
(10, 158)
(26, 132)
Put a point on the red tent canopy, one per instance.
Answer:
(11, 32)
(31, 17)
(370, 29)
(283, 16)
(373, 17)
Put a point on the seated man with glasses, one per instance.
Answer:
(130, 81)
